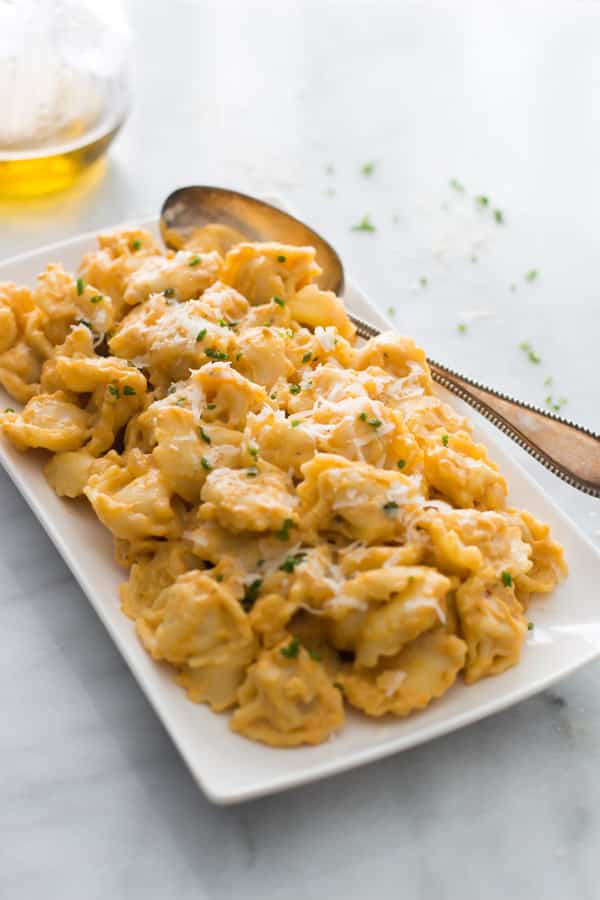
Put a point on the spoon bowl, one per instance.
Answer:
(190, 208)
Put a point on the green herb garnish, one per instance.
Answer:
(284, 533)
(169, 292)
(128, 391)
(401, 463)
(307, 357)
(462, 327)
(530, 626)
(482, 200)
(136, 245)
(195, 260)
(215, 354)
(499, 216)
(85, 322)
(290, 562)
(278, 300)
(205, 464)
(368, 168)
(252, 472)
(314, 655)
(253, 451)
(445, 440)
(423, 281)
(211, 406)
(457, 185)
(294, 423)
(97, 298)
(295, 388)
(8, 409)
(281, 258)
(291, 650)
(220, 577)
(205, 437)
(390, 507)
(365, 224)
(507, 579)
(80, 284)
(251, 594)
(531, 275)
(113, 390)
(532, 356)
(201, 335)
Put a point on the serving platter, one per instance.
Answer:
(229, 768)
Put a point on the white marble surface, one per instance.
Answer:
(94, 801)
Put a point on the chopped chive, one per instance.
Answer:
(215, 354)
(507, 579)
(136, 245)
(281, 258)
(220, 577)
(251, 594)
(113, 390)
(290, 562)
(294, 423)
(499, 216)
(97, 298)
(284, 533)
(457, 185)
(291, 650)
(205, 464)
(253, 451)
(238, 355)
(8, 409)
(201, 335)
(423, 281)
(462, 328)
(307, 357)
(482, 200)
(278, 300)
(363, 417)
(252, 472)
(548, 381)
(128, 390)
(205, 437)
(530, 626)
(391, 311)
(365, 224)
(390, 507)
(295, 388)
(445, 440)
(169, 292)
(401, 463)
(85, 322)
(531, 275)
(195, 260)
(368, 168)
(80, 284)
(211, 406)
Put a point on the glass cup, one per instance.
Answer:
(64, 90)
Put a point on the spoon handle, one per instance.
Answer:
(569, 451)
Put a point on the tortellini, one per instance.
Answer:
(304, 522)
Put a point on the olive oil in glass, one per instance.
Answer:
(63, 91)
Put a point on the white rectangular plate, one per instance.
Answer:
(227, 767)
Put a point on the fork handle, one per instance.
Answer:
(568, 450)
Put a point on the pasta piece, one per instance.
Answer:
(312, 306)
(67, 473)
(420, 673)
(461, 471)
(263, 503)
(50, 421)
(132, 499)
(287, 699)
(263, 271)
(187, 275)
(151, 574)
(356, 500)
(492, 623)
(389, 608)
(201, 627)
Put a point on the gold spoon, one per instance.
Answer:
(567, 450)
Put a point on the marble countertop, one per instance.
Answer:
(294, 98)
